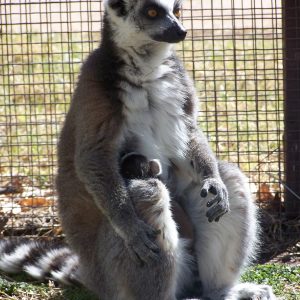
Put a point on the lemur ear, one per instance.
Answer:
(155, 168)
(119, 6)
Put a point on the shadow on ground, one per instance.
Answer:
(280, 238)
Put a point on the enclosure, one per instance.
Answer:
(244, 57)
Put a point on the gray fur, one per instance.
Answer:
(134, 95)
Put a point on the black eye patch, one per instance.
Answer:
(119, 7)
(153, 11)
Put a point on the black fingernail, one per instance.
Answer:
(203, 193)
(213, 190)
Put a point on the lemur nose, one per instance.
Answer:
(182, 33)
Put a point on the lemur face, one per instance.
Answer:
(145, 21)
(137, 166)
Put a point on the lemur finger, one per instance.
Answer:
(153, 256)
(204, 193)
(212, 213)
(135, 257)
(210, 186)
(213, 190)
(213, 201)
(145, 256)
(216, 211)
(224, 209)
(215, 216)
(221, 215)
(204, 189)
(152, 246)
(220, 196)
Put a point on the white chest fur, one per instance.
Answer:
(155, 117)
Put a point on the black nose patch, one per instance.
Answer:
(172, 34)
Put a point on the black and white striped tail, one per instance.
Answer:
(40, 259)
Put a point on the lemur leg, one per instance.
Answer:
(223, 248)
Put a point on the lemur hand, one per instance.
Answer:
(219, 204)
(141, 245)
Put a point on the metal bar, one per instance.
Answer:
(291, 27)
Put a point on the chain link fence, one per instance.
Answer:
(234, 51)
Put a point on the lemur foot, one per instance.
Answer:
(243, 291)
(219, 204)
(251, 291)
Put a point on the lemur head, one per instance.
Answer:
(143, 22)
(137, 166)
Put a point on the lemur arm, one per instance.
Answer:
(97, 132)
(202, 164)
(203, 159)
(206, 171)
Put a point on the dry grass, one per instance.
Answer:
(239, 83)
(284, 279)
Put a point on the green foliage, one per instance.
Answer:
(78, 294)
(284, 279)
(16, 289)
(22, 287)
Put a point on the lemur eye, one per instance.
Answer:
(152, 13)
(177, 13)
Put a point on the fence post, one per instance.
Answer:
(291, 47)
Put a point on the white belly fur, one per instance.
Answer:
(154, 115)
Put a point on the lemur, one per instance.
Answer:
(133, 94)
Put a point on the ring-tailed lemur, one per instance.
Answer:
(133, 94)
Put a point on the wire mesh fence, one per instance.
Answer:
(234, 53)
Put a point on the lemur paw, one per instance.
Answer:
(219, 204)
(141, 245)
